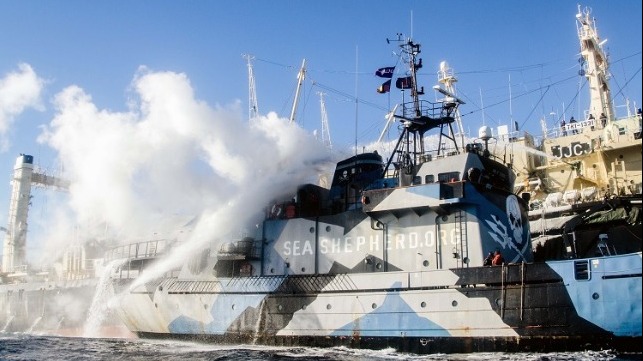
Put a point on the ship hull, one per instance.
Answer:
(426, 345)
(553, 306)
(55, 308)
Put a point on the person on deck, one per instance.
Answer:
(603, 119)
(572, 120)
(562, 127)
(489, 260)
(498, 260)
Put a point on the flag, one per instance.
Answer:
(385, 72)
(404, 83)
(385, 87)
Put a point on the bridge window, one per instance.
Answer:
(449, 177)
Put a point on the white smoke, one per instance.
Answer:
(19, 90)
(170, 157)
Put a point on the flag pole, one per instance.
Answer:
(356, 95)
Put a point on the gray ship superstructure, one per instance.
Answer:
(391, 255)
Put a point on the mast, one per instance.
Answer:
(300, 80)
(446, 77)
(324, 122)
(419, 116)
(24, 176)
(253, 110)
(595, 65)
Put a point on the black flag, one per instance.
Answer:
(385, 87)
(404, 83)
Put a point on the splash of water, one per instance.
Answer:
(99, 308)
(60, 322)
(9, 320)
(34, 324)
(258, 324)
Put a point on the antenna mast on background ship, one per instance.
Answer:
(253, 110)
(300, 80)
(325, 133)
(595, 65)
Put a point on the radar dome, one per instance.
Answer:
(484, 133)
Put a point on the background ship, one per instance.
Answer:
(60, 298)
(592, 163)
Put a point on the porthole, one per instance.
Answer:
(425, 263)
(378, 266)
(303, 269)
(233, 307)
(327, 228)
(272, 270)
(423, 304)
(454, 303)
(374, 306)
(328, 306)
(595, 296)
(312, 229)
(280, 307)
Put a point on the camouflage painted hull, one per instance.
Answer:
(563, 305)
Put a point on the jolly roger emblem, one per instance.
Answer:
(509, 236)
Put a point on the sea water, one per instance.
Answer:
(36, 347)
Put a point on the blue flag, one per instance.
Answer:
(385, 72)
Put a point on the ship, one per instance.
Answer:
(392, 255)
(63, 297)
(583, 174)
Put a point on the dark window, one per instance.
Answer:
(449, 177)
(581, 270)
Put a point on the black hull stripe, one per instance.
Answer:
(631, 275)
(424, 345)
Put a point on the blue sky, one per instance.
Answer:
(516, 59)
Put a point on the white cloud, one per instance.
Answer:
(172, 156)
(19, 90)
